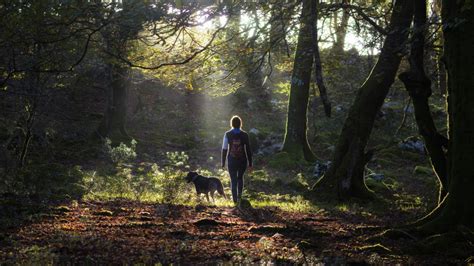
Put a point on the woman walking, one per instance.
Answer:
(236, 151)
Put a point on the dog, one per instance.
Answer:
(205, 185)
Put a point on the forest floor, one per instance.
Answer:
(288, 224)
(124, 231)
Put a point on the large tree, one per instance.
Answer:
(346, 174)
(296, 142)
(456, 209)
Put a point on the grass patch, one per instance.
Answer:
(283, 161)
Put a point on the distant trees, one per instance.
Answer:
(366, 18)
(256, 34)
(131, 14)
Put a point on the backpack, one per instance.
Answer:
(236, 145)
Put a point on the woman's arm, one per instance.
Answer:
(248, 150)
(225, 146)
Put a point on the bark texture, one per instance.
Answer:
(346, 173)
(296, 142)
(456, 209)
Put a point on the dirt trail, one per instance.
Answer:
(130, 232)
(125, 231)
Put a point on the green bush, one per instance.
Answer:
(143, 182)
(122, 152)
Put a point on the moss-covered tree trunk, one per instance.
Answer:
(456, 209)
(346, 173)
(419, 88)
(296, 142)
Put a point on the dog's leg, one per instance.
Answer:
(198, 197)
(212, 196)
(220, 190)
(207, 197)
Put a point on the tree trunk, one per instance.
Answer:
(456, 209)
(441, 70)
(113, 123)
(318, 69)
(418, 86)
(296, 142)
(442, 82)
(341, 30)
(346, 173)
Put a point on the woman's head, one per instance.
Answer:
(236, 122)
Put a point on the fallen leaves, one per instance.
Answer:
(118, 232)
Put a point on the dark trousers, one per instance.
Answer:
(236, 171)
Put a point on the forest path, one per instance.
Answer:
(117, 232)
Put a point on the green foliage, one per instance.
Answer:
(122, 152)
(142, 181)
(178, 159)
(171, 185)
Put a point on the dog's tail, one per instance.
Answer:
(220, 190)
